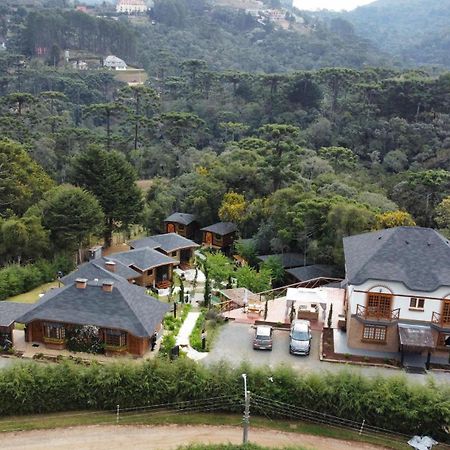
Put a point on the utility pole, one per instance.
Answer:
(246, 420)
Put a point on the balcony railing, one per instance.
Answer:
(440, 321)
(377, 315)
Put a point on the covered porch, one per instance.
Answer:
(415, 341)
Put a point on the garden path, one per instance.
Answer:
(183, 337)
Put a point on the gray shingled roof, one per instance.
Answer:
(96, 269)
(10, 311)
(168, 242)
(183, 218)
(314, 271)
(417, 257)
(143, 258)
(126, 308)
(221, 228)
(288, 260)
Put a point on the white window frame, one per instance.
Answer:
(414, 302)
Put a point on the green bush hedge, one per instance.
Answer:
(15, 279)
(391, 403)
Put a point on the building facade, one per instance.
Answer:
(398, 291)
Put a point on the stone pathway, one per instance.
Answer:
(183, 337)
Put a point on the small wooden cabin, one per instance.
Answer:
(181, 223)
(219, 236)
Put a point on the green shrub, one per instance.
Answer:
(15, 279)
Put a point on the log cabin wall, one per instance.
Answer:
(137, 345)
(187, 231)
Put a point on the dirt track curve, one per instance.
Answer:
(100, 437)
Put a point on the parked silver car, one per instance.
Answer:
(300, 338)
(263, 338)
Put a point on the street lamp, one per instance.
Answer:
(246, 420)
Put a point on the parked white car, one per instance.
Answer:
(300, 338)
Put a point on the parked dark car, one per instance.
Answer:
(263, 338)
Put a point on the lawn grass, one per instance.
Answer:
(83, 418)
(33, 295)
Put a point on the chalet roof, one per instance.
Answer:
(417, 257)
(126, 308)
(9, 311)
(314, 271)
(96, 269)
(143, 258)
(183, 218)
(221, 228)
(288, 260)
(237, 295)
(168, 242)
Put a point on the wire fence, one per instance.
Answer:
(260, 406)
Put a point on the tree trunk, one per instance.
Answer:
(107, 234)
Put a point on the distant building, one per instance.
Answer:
(131, 6)
(113, 62)
(82, 8)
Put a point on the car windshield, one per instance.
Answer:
(300, 335)
(262, 338)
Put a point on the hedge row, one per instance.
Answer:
(15, 279)
(390, 403)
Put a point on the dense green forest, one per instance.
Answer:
(416, 32)
(297, 159)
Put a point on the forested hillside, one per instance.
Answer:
(418, 31)
(297, 159)
(194, 29)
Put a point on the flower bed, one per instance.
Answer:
(329, 353)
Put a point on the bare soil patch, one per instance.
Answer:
(163, 437)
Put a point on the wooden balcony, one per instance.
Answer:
(377, 315)
(440, 321)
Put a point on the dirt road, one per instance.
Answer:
(99, 437)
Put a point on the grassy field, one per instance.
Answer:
(69, 419)
(33, 295)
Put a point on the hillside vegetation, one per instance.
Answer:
(417, 31)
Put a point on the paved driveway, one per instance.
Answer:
(234, 345)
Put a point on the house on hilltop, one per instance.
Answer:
(398, 291)
(113, 62)
(131, 6)
(123, 315)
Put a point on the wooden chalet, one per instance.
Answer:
(124, 316)
(154, 268)
(170, 244)
(181, 223)
(219, 236)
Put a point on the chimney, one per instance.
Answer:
(81, 283)
(110, 265)
(107, 286)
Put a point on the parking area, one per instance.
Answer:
(234, 345)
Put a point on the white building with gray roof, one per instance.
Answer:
(398, 291)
